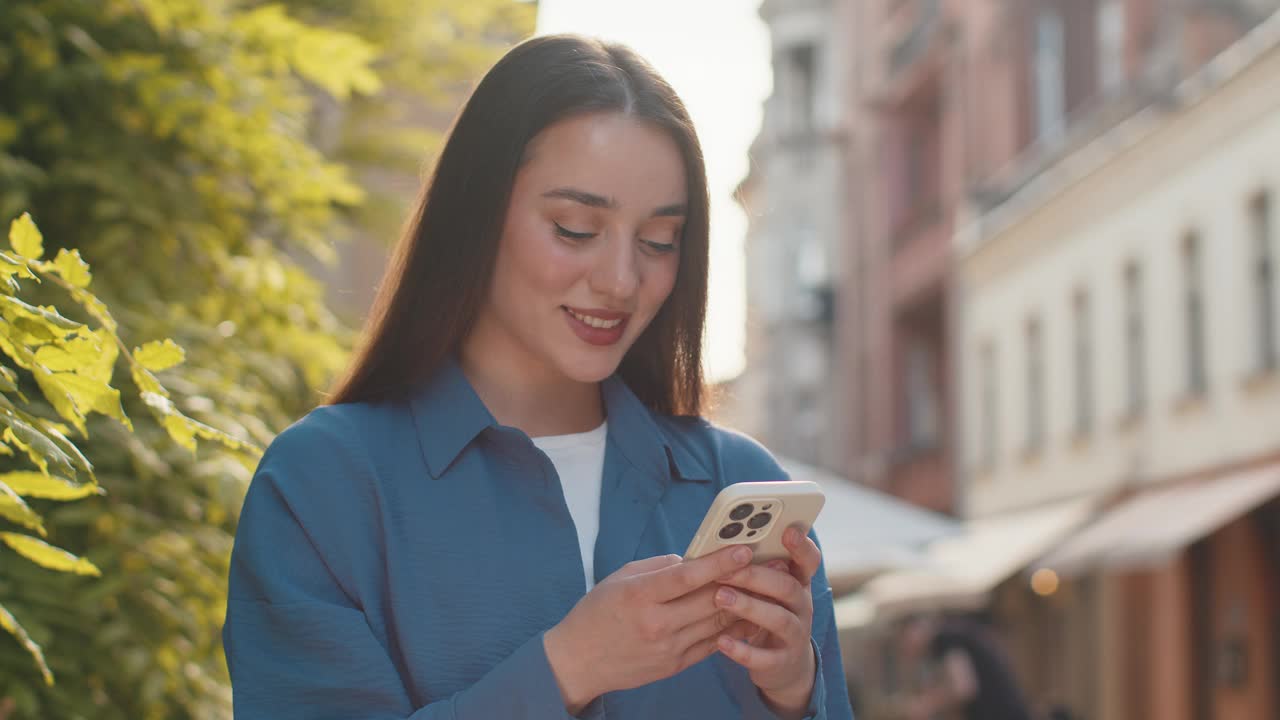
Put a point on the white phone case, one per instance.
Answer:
(730, 522)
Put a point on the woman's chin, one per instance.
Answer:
(590, 367)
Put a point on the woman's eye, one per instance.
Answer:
(659, 247)
(565, 232)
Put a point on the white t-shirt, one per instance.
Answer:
(579, 461)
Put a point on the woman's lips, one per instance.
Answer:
(584, 324)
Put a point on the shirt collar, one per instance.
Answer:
(634, 430)
(449, 415)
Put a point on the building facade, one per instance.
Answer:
(953, 105)
(1119, 341)
(788, 395)
(1085, 192)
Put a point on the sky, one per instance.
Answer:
(715, 53)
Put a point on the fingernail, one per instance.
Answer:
(742, 555)
(778, 565)
(726, 643)
(725, 596)
(793, 536)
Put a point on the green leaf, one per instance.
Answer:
(72, 355)
(96, 308)
(10, 624)
(60, 398)
(33, 332)
(86, 395)
(95, 395)
(104, 364)
(14, 509)
(181, 430)
(57, 435)
(10, 266)
(39, 448)
(12, 307)
(8, 380)
(39, 485)
(159, 355)
(73, 268)
(49, 435)
(147, 384)
(25, 237)
(48, 556)
(184, 430)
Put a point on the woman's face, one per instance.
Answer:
(589, 250)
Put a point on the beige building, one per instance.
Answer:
(1120, 339)
(1114, 345)
(1125, 330)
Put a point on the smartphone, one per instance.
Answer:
(756, 514)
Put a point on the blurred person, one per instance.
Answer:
(974, 679)
(484, 521)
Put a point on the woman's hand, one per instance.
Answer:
(779, 601)
(649, 620)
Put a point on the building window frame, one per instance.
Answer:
(1036, 405)
(1050, 71)
(1083, 358)
(1195, 340)
(1266, 300)
(801, 80)
(924, 408)
(989, 423)
(1110, 27)
(1134, 341)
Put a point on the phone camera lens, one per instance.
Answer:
(741, 512)
(759, 521)
(730, 531)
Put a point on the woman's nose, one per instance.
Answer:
(615, 274)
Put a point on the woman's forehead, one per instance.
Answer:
(612, 155)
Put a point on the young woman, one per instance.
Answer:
(485, 522)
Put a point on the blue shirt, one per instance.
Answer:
(403, 560)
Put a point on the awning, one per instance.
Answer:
(854, 611)
(864, 531)
(1156, 524)
(962, 570)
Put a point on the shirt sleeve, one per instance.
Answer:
(747, 459)
(830, 698)
(298, 646)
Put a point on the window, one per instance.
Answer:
(1193, 309)
(1082, 327)
(1264, 281)
(1135, 340)
(990, 412)
(1111, 28)
(1035, 386)
(922, 396)
(1049, 73)
(801, 87)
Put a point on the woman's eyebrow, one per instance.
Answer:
(600, 201)
(582, 196)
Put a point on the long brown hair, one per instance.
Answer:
(439, 275)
